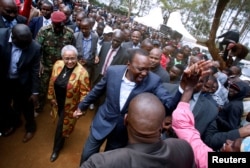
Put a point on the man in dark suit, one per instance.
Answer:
(145, 148)
(155, 59)
(37, 22)
(136, 38)
(9, 16)
(19, 72)
(199, 104)
(86, 45)
(111, 53)
(121, 83)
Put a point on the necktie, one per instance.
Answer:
(107, 61)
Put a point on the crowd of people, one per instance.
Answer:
(157, 101)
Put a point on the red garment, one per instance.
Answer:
(18, 2)
(25, 10)
(164, 61)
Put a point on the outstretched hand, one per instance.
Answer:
(192, 74)
(199, 68)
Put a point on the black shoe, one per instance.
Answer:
(54, 156)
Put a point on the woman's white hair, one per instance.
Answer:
(69, 48)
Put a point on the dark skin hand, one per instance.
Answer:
(197, 70)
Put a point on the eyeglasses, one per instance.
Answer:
(70, 59)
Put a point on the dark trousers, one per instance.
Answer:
(59, 139)
(14, 102)
(118, 138)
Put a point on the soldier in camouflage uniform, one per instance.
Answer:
(52, 39)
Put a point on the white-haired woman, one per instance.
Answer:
(69, 84)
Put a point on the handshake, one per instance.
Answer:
(196, 71)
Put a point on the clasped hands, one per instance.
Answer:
(194, 72)
(78, 113)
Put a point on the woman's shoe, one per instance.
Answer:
(54, 156)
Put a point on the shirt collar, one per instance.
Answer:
(10, 41)
(87, 39)
(115, 49)
(125, 80)
(10, 38)
(49, 20)
(196, 96)
(14, 22)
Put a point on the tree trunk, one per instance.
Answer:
(211, 41)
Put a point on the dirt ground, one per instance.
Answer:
(36, 153)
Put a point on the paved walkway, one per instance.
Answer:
(36, 153)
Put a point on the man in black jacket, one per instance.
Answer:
(19, 73)
(9, 16)
(145, 149)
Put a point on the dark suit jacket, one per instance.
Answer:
(19, 19)
(121, 58)
(162, 73)
(35, 24)
(230, 35)
(28, 65)
(214, 138)
(170, 153)
(205, 111)
(79, 46)
(128, 44)
(109, 113)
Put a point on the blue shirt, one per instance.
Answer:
(8, 23)
(15, 56)
(86, 42)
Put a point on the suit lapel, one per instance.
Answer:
(2, 24)
(40, 22)
(93, 45)
(8, 51)
(198, 105)
(118, 87)
(137, 90)
(116, 58)
(105, 53)
(24, 56)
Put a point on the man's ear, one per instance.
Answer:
(125, 120)
(128, 63)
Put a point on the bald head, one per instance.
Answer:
(8, 9)
(144, 119)
(147, 45)
(156, 51)
(8, 3)
(117, 38)
(21, 35)
(155, 57)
